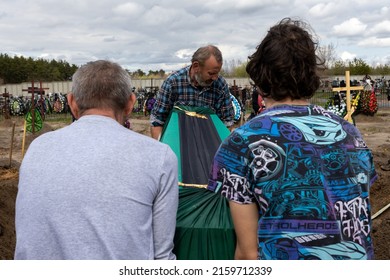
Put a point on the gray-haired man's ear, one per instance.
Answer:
(73, 105)
(130, 104)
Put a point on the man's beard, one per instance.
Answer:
(202, 82)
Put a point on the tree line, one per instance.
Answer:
(334, 66)
(357, 66)
(19, 69)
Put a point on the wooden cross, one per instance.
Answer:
(41, 89)
(5, 94)
(32, 91)
(238, 94)
(6, 104)
(348, 89)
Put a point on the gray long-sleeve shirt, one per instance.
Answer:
(96, 190)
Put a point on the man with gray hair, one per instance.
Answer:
(196, 85)
(191, 114)
(94, 189)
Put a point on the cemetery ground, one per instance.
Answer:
(375, 130)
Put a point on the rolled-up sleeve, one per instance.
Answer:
(163, 105)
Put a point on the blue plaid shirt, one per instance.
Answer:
(178, 90)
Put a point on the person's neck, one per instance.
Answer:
(103, 112)
(269, 102)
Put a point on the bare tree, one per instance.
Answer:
(327, 54)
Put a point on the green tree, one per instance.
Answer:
(327, 55)
(338, 68)
(381, 70)
(138, 74)
(240, 71)
(19, 69)
(161, 73)
(359, 67)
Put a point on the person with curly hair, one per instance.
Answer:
(297, 177)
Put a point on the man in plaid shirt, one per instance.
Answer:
(196, 85)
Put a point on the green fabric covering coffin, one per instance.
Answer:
(204, 229)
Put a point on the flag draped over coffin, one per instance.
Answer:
(204, 229)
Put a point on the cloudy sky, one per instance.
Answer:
(163, 34)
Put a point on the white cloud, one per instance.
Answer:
(250, 5)
(374, 42)
(382, 27)
(164, 33)
(345, 56)
(322, 10)
(185, 54)
(129, 9)
(385, 10)
(351, 27)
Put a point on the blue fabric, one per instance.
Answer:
(310, 172)
(178, 90)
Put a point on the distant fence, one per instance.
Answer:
(320, 98)
(65, 87)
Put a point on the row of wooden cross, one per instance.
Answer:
(348, 88)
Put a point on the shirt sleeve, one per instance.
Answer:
(163, 105)
(226, 110)
(165, 207)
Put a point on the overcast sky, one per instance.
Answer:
(163, 34)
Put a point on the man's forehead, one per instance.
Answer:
(212, 64)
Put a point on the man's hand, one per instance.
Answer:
(156, 131)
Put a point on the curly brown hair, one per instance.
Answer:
(285, 63)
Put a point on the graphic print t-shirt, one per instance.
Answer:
(310, 172)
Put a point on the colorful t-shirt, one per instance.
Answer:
(236, 107)
(310, 173)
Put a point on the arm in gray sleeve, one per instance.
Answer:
(165, 207)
